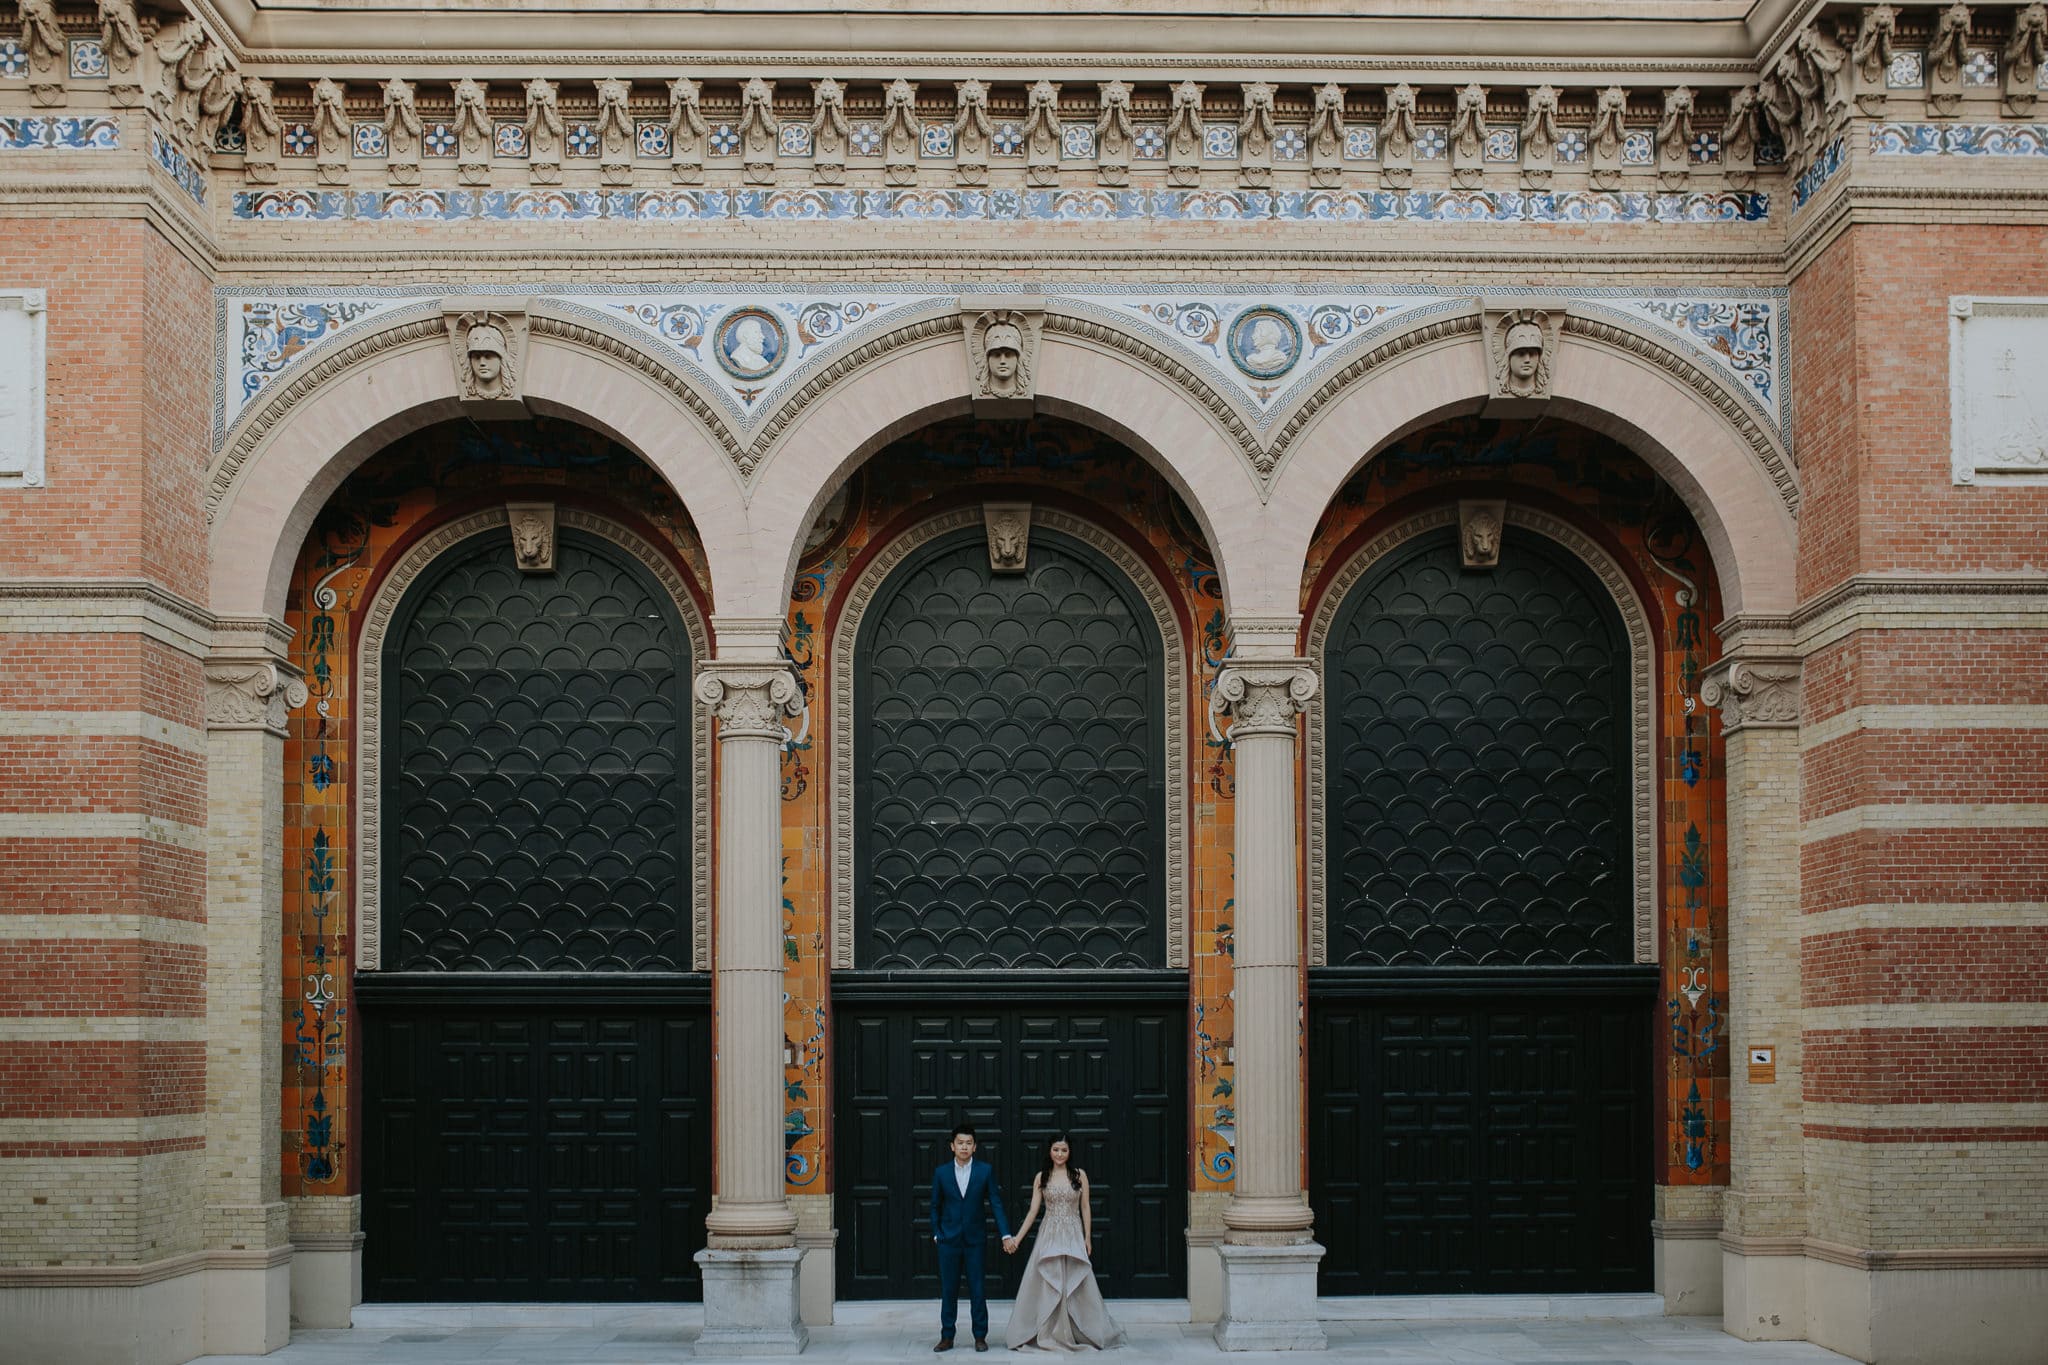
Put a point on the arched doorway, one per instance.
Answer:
(1010, 898)
(1480, 1074)
(536, 1058)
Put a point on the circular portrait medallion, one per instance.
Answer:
(750, 343)
(1265, 342)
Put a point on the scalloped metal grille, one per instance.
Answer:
(1009, 789)
(1479, 799)
(536, 774)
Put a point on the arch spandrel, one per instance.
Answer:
(1738, 486)
(909, 386)
(289, 451)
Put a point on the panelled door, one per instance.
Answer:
(536, 1070)
(1480, 1074)
(1111, 1075)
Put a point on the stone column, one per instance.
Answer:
(1763, 1219)
(1269, 1257)
(249, 690)
(750, 1267)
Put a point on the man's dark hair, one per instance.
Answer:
(960, 1128)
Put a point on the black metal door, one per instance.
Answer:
(548, 1149)
(536, 1066)
(1477, 1138)
(1480, 1079)
(1111, 1074)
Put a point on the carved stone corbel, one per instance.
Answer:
(1003, 335)
(1674, 139)
(1604, 139)
(972, 133)
(1521, 353)
(1114, 134)
(1828, 64)
(487, 343)
(1539, 138)
(1947, 52)
(1871, 57)
(403, 132)
(1042, 135)
(1184, 136)
(121, 40)
(1326, 138)
(901, 134)
(615, 134)
(473, 135)
(1261, 697)
(532, 525)
(332, 136)
(1468, 138)
(687, 131)
(1009, 535)
(544, 132)
(1738, 139)
(1753, 693)
(49, 53)
(261, 132)
(251, 693)
(760, 134)
(2025, 51)
(1397, 139)
(1255, 134)
(1481, 523)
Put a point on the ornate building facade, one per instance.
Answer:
(1428, 634)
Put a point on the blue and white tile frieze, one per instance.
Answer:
(1959, 139)
(180, 167)
(1819, 173)
(1027, 205)
(38, 133)
(744, 349)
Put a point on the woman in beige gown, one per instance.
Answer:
(1058, 1306)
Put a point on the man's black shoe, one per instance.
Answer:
(981, 1343)
(945, 1344)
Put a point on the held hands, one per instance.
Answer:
(1010, 1246)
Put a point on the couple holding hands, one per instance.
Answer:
(1058, 1307)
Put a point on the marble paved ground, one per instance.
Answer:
(628, 1336)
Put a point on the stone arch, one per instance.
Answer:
(1087, 372)
(1732, 475)
(288, 453)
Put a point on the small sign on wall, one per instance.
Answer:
(1763, 1066)
(22, 374)
(1998, 389)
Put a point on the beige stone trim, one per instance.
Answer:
(1642, 711)
(108, 928)
(327, 1241)
(122, 1028)
(1762, 1246)
(369, 698)
(1686, 1229)
(154, 1128)
(1923, 717)
(1916, 602)
(109, 606)
(1930, 1258)
(1921, 1014)
(135, 1276)
(102, 725)
(1909, 815)
(1926, 914)
(1944, 1116)
(860, 595)
(104, 825)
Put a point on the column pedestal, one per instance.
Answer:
(1269, 1298)
(751, 1306)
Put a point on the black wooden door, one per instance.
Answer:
(1111, 1075)
(1480, 1077)
(1480, 1139)
(544, 1149)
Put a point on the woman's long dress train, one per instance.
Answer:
(1058, 1307)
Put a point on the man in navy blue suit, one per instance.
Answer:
(958, 1226)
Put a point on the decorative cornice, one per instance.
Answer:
(1758, 693)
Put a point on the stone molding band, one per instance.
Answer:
(376, 620)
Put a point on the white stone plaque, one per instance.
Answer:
(1998, 389)
(21, 388)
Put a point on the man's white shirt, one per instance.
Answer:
(960, 1173)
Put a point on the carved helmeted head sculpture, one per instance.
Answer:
(1003, 344)
(490, 362)
(1525, 359)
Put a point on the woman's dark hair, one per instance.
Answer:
(1073, 1168)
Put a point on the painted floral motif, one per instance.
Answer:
(1959, 139)
(229, 138)
(1432, 143)
(1704, 148)
(274, 332)
(1008, 140)
(369, 140)
(865, 139)
(1148, 142)
(299, 139)
(1077, 142)
(794, 139)
(1571, 145)
(1740, 334)
(509, 139)
(935, 141)
(88, 59)
(438, 139)
(1638, 149)
(1904, 72)
(1503, 146)
(725, 139)
(1361, 144)
(1219, 142)
(582, 140)
(1981, 68)
(13, 61)
(1290, 144)
(651, 139)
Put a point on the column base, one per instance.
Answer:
(327, 1279)
(1269, 1298)
(751, 1305)
(1763, 1288)
(1686, 1255)
(248, 1301)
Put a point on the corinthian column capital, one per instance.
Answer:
(251, 694)
(751, 701)
(1262, 696)
(1754, 693)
